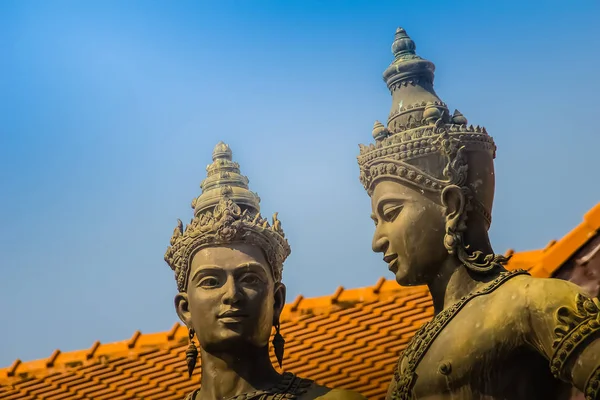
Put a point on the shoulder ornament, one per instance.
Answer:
(574, 326)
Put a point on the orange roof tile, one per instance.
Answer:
(350, 339)
(546, 262)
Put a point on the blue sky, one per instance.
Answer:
(110, 111)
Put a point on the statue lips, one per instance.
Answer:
(391, 260)
(232, 316)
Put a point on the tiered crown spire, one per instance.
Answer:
(410, 80)
(226, 212)
(223, 177)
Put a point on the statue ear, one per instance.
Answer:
(182, 308)
(453, 200)
(279, 301)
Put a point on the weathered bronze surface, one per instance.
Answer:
(228, 264)
(496, 334)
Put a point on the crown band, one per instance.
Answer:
(388, 158)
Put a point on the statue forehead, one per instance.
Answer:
(229, 256)
(395, 189)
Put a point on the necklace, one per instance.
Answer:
(425, 336)
(290, 387)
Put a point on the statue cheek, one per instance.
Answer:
(264, 299)
(203, 304)
(400, 231)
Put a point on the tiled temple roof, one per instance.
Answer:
(350, 339)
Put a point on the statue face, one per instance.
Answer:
(231, 298)
(410, 229)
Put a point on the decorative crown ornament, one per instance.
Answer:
(422, 145)
(226, 212)
(425, 147)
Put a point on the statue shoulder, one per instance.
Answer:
(565, 328)
(546, 300)
(545, 294)
(553, 304)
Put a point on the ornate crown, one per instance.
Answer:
(422, 145)
(226, 212)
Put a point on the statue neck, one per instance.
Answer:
(229, 374)
(454, 281)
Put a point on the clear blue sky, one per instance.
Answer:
(110, 110)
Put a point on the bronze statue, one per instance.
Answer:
(496, 334)
(228, 265)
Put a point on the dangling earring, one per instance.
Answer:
(191, 354)
(278, 344)
(475, 261)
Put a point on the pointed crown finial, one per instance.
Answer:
(222, 151)
(407, 65)
(403, 44)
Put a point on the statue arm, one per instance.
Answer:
(565, 328)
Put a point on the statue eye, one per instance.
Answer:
(391, 213)
(251, 279)
(209, 282)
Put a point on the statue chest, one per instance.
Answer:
(479, 354)
(470, 342)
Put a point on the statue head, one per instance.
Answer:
(429, 175)
(228, 263)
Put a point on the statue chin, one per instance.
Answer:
(406, 280)
(406, 276)
(231, 342)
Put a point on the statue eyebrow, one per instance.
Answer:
(252, 265)
(388, 199)
(206, 269)
(209, 268)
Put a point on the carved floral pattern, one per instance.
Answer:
(389, 157)
(574, 327)
(592, 386)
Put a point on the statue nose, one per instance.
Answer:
(380, 243)
(232, 293)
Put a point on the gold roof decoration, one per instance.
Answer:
(226, 212)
